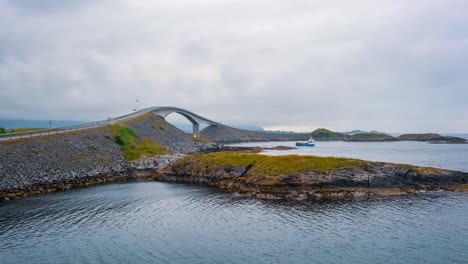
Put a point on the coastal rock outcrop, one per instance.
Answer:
(80, 158)
(311, 178)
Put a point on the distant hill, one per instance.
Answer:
(226, 134)
(370, 137)
(281, 132)
(325, 134)
(24, 123)
(248, 127)
(460, 135)
(187, 128)
(431, 137)
(357, 131)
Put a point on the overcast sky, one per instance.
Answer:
(396, 66)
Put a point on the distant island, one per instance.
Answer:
(148, 147)
(323, 134)
(357, 131)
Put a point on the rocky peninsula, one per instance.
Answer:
(306, 177)
(148, 147)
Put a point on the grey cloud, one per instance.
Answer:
(47, 6)
(386, 65)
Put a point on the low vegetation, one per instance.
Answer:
(421, 137)
(218, 159)
(432, 137)
(290, 164)
(132, 147)
(325, 134)
(17, 130)
(370, 137)
(262, 165)
(200, 140)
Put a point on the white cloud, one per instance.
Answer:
(386, 65)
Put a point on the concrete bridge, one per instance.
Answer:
(162, 111)
(196, 120)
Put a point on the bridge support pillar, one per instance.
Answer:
(196, 130)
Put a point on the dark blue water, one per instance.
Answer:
(446, 156)
(170, 223)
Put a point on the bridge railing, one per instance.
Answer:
(39, 132)
(34, 133)
(58, 130)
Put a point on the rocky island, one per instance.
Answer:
(432, 138)
(323, 134)
(148, 147)
(226, 134)
(306, 177)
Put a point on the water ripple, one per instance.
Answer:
(168, 223)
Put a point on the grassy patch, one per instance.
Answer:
(145, 148)
(326, 134)
(132, 148)
(371, 137)
(20, 130)
(92, 148)
(290, 164)
(159, 124)
(423, 170)
(103, 159)
(200, 140)
(138, 119)
(123, 135)
(218, 159)
(262, 165)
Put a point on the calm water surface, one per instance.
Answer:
(170, 223)
(446, 156)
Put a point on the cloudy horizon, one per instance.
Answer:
(394, 66)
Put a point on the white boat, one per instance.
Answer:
(308, 143)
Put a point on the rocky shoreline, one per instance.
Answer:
(76, 159)
(79, 159)
(346, 180)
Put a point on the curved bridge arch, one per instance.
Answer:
(195, 119)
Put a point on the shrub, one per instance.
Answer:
(123, 136)
(132, 148)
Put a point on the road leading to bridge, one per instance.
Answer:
(162, 111)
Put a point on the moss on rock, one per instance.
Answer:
(262, 165)
(132, 147)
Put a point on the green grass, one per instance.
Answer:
(123, 135)
(290, 164)
(200, 140)
(323, 133)
(18, 130)
(133, 148)
(218, 159)
(145, 148)
(371, 137)
(262, 165)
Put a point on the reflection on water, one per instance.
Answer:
(170, 223)
(446, 156)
